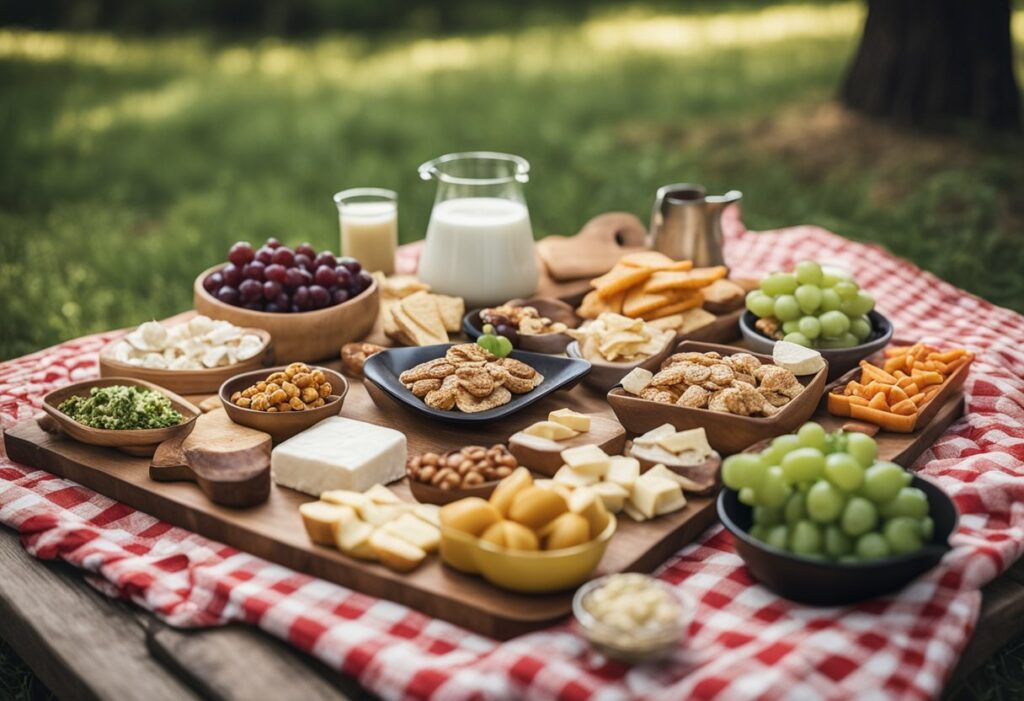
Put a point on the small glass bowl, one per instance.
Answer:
(638, 645)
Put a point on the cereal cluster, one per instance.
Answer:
(296, 388)
(468, 467)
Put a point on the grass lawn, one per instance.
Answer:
(129, 165)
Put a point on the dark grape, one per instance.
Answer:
(307, 277)
(265, 255)
(318, 296)
(303, 261)
(250, 291)
(284, 256)
(360, 282)
(300, 298)
(306, 249)
(254, 306)
(232, 274)
(325, 258)
(271, 289)
(228, 295)
(213, 282)
(351, 263)
(325, 276)
(343, 276)
(283, 301)
(508, 331)
(340, 296)
(277, 273)
(241, 253)
(254, 271)
(272, 243)
(293, 278)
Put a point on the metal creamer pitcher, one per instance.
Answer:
(686, 223)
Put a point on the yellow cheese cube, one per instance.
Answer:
(684, 482)
(551, 430)
(418, 532)
(396, 553)
(431, 513)
(654, 495)
(623, 471)
(319, 518)
(380, 494)
(612, 495)
(573, 419)
(633, 512)
(352, 536)
(654, 435)
(587, 459)
(585, 502)
(572, 479)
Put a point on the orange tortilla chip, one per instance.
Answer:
(593, 305)
(692, 301)
(654, 260)
(619, 279)
(665, 280)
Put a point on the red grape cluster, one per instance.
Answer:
(277, 279)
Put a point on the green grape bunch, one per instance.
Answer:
(827, 496)
(814, 308)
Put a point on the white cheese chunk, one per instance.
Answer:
(636, 380)
(339, 453)
(797, 359)
(572, 419)
(623, 471)
(695, 440)
(587, 459)
(654, 495)
(613, 495)
(551, 430)
(571, 478)
(654, 435)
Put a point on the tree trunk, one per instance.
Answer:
(928, 62)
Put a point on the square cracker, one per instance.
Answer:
(693, 319)
(420, 309)
(619, 279)
(451, 309)
(665, 280)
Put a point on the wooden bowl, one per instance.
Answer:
(554, 309)
(727, 433)
(205, 381)
(605, 374)
(839, 360)
(302, 336)
(429, 494)
(281, 425)
(141, 441)
(825, 583)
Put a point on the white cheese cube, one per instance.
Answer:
(636, 380)
(654, 435)
(695, 440)
(551, 430)
(413, 530)
(572, 419)
(796, 358)
(339, 453)
(613, 495)
(380, 494)
(633, 512)
(587, 459)
(319, 518)
(623, 471)
(683, 482)
(430, 513)
(654, 495)
(352, 536)
(571, 478)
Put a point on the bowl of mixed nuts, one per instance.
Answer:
(472, 471)
(285, 400)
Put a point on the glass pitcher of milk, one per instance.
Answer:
(479, 239)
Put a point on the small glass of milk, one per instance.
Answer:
(369, 226)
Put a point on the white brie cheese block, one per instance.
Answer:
(797, 359)
(339, 453)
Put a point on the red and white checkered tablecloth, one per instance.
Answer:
(745, 642)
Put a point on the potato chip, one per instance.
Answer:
(593, 305)
(613, 337)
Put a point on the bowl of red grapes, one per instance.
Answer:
(280, 280)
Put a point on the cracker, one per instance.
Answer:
(724, 293)
(654, 260)
(676, 305)
(594, 306)
(416, 333)
(697, 278)
(451, 310)
(619, 279)
(639, 302)
(399, 286)
(667, 323)
(693, 319)
(421, 307)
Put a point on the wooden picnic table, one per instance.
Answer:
(83, 645)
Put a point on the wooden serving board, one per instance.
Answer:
(273, 530)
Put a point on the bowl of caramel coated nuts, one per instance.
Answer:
(471, 471)
(285, 400)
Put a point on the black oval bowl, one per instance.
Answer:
(840, 360)
(550, 343)
(820, 583)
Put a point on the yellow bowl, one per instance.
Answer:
(530, 571)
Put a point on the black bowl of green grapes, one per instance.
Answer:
(819, 309)
(819, 519)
